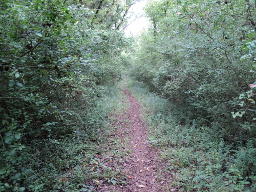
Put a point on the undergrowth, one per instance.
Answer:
(99, 161)
(197, 157)
(73, 163)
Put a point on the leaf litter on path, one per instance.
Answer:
(140, 165)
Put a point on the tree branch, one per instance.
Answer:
(31, 50)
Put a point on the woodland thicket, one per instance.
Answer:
(59, 59)
(201, 56)
(57, 56)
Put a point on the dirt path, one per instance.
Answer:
(140, 166)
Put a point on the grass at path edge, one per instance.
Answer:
(196, 159)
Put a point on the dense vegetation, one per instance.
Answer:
(54, 69)
(200, 55)
(60, 60)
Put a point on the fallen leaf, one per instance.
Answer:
(92, 169)
(64, 179)
(141, 186)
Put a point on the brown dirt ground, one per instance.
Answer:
(141, 166)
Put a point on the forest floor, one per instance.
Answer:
(140, 163)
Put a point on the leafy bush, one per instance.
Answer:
(196, 157)
(52, 73)
(202, 70)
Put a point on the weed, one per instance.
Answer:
(197, 157)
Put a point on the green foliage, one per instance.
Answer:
(200, 55)
(54, 68)
(198, 159)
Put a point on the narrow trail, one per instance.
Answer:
(140, 165)
(135, 163)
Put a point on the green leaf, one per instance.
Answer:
(6, 185)
(250, 35)
(11, 83)
(17, 75)
(238, 114)
(241, 103)
(2, 171)
(27, 170)
(5, 122)
(19, 84)
(39, 34)
(8, 134)
(113, 181)
(242, 96)
(17, 135)
(17, 176)
(21, 147)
